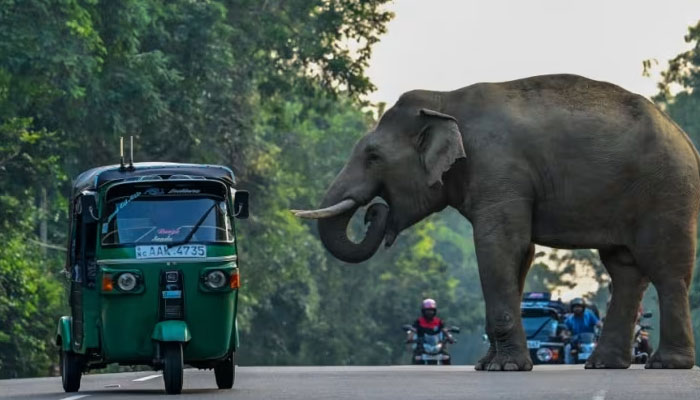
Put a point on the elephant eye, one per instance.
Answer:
(372, 157)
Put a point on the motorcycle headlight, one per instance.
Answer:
(544, 354)
(127, 281)
(215, 279)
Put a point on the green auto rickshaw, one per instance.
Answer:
(153, 266)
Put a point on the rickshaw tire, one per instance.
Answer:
(71, 371)
(172, 367)
(225, 373)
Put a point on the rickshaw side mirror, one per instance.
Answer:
(88, 205)
(240, 203)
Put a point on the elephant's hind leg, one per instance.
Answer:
(667, 254)
(614, 348)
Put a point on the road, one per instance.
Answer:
(390, 383)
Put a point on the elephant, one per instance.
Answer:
(556, 160)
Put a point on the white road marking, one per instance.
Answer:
(600, 395)
(80, 396)
(145, 378)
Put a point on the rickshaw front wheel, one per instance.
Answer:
(225, 373)
(172, 367)
(71, 370)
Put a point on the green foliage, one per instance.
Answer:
(30, 293)
(30, 303)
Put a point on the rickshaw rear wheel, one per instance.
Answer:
(71, 370)
(172, 367)
(225, 373)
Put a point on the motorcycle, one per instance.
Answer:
(641, 348)
(582, 347)
(430, 349)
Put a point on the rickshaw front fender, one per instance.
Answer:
(171, 331)
(63, 337)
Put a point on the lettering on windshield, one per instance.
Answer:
(184, 191)
(154, 192)
(120, 206)
(168, 232)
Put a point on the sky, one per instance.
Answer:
(448, 44)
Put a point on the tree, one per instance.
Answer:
(30, 299)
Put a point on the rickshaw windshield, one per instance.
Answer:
(166, 219)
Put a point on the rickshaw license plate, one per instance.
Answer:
(162, 251)
(533, 344)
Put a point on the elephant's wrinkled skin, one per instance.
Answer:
(557, 160)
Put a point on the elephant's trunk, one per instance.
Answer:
(333, 232)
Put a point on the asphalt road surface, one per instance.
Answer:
(398, 382)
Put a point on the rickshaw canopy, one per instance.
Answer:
(95, 178)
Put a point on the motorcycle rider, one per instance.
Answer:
(428, 323)
(644, 346)
(581, 320)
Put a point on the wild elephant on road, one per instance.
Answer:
(557, 160)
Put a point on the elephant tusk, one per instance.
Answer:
(343, 206)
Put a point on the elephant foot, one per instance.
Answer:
(510, 363)
(484, 362)
(607, 358)
(668, 359)
(504, 361)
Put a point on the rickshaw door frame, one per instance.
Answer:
(81, 264)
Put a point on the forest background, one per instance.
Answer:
(277, 90)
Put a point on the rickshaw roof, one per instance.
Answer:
(95, 178)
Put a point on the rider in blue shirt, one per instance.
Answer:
(582, 320)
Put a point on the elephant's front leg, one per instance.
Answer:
(501, 251)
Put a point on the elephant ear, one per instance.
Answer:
(439, 144)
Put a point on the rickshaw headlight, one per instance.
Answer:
(215, 279)
(127, 281)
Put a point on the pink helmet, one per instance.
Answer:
(429, 303)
